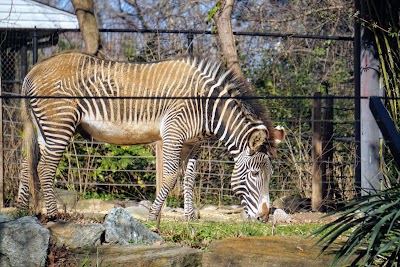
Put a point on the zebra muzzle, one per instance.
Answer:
(263, 215)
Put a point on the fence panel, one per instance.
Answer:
(94, 169)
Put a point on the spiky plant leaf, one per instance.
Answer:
(367, 230)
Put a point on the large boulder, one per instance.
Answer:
(123, 229)
(23, 242)
(75, 235)
(5, 217)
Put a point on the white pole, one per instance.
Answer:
(371, 175)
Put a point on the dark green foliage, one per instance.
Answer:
(93, 169)
(371, 230)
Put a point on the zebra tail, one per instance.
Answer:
(31, 153)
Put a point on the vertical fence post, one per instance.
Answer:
(190, 37)
(35, 47)
(1, 151)
(357, 103)
(317, 194)
(328, 187)
(370, 85)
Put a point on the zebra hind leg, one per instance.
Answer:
(47, 169)
(188, 186)
(23, 190)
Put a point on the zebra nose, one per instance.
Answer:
(263, 218)
(263, 215)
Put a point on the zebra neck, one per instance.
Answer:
(235, 136)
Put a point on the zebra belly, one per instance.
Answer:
(119, 133)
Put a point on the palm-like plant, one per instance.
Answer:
(368, 230)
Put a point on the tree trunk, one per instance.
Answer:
(223, 22)
(84, 10)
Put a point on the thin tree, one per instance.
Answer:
(84, 10)
(222, 19)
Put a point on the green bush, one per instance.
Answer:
(93, 169)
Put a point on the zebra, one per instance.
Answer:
(180, 102)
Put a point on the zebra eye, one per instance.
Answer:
(254, 172)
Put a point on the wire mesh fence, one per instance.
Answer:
(97, 169)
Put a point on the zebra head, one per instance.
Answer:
(252, 172)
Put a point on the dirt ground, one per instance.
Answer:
(228, 214)
(99, 209)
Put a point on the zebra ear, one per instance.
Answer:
(279, 134)
(257, 140)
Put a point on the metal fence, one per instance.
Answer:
(87, 166)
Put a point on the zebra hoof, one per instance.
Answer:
(152, 217)
(193, 216)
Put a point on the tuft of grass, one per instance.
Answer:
(199, 234)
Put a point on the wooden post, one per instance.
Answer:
(1, 151)
(328, 186)
(317, 194)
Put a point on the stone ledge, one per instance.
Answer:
(269, 251)
(141, 256)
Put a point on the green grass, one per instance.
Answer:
(199, 234)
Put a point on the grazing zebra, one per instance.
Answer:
(177, 101)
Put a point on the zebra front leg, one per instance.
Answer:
(188, 187)
(171, 162)
(167, 185)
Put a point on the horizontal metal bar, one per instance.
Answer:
(206, 32)
(188, 97)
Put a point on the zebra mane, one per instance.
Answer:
(243, 92)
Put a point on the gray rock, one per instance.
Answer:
(280, 216)
(93, 205)
(5, 217)
(168, 209)
(75, 235)
(146, 203)
(138, 212)
(24, 242)
(179, 210)
(209, 207)
(123, 229)
(66, 199)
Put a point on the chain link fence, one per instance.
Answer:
(96, 169)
